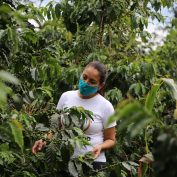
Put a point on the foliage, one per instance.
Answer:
(48, 56)
(164, 152)
(6, 90)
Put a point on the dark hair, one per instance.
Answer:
(102, 71)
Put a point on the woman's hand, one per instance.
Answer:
(109, 142)
(97, 150)
(38, 145)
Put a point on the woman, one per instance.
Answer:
(88, 96)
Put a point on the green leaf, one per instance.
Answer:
(6, 157)
(131, 41)
(5, 133)
(116, 170)
(72, 169)
(127, 166)
(172, 85)
(133, 163)
(5, 8)
(17, 128)
(4, 147)
(41, 127)
(150, 99)
(7, 77)
(49, 12)
(47, 90)
(133, 116)
(28, 174)
(57, 10)
(78, 130)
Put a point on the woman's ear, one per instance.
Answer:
(101, 85)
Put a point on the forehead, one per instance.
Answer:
(92, 73)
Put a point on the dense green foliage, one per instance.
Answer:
(48, 55)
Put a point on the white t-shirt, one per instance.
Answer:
(102, 109)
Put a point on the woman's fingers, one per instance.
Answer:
(40, 144)
(34, 147)
(96, 151)
(37, 146)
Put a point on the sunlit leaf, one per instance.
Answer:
(150, 99)
(5, 76)
(17, 129)
(172, 85)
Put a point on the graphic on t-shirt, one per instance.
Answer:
(86, 124)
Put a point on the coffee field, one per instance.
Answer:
(43, 51)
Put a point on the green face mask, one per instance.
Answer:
(86, 89)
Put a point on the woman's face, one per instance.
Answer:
(91, 76)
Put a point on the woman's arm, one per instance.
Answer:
(109, 141)
(38, 145)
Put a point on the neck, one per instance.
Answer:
(86, 97)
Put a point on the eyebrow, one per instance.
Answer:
(90, 79)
